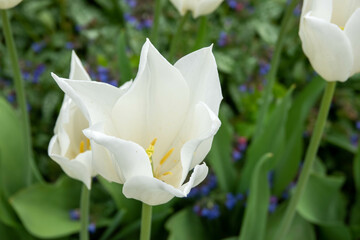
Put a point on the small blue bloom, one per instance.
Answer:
(74, 214)
(37, 73)
(211, 213)
(11, 98)
(264, 68)
(231, 201)
(357, 125)
(69, 45)
(38, 46)
(236, 155)
(242, 88)
(92, 228)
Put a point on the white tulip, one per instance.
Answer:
(329, 31)
(161, 128)
(6, 4)
(69, 147)
(197, 7)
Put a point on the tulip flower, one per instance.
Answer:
(69, 147)
(160, 129)
(5, 4)
(198, 7)
(329, 31)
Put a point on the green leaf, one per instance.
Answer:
(270, 140)
(124, 62)
(44, 208)
(220, 155)
(224, 62)
(322, 201)
(7, 215)
(295, 125)
(335, 232)
(14, 164)
(185, 225)
(300, 229)
(254, 223)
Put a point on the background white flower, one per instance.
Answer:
(329, 31)
(197, 7)
(5, 4)
(69, 147)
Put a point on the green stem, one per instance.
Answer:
(20, 94)
(201, 33)
(266, 98)
(309, 160)
(84, 213)
(155, 28)
(145, 222)
(177, 36)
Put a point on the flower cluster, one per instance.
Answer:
(239, 148)
(149, 133)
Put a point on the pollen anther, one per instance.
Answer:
(166, 156)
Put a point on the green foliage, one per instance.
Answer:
(44, 208)
(255, 217)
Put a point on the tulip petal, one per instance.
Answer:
(129, 158)
(353, 33)
(343, 9)
(199, 130)
(78, 168)
(179, 6)
(77, 70)
(153, 191)
(95, 99)
(206, 7)
(156, 104)
(322, 9)
(328, 49)
(200, 71)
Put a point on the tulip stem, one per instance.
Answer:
(177, 36)
(155, 27)
(309, 160)
(20, 95)
(267, 96)
(201, 33)
(84, 212)
(145, 222)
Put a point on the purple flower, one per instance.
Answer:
(211, 212)
(74, 214)
(37, 73)
(236, 155)
(69, 45)
(92, 228)
(38, 46)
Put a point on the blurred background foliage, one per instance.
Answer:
(244, 180)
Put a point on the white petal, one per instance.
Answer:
(206, 7)
(129, 158)
(342, 10)
(179, 6)
(6, 4)
(95, 99)
(200, 72)
(328, 49)
(77, 70)
(156, 104)
(152, 191)
(198, 133)
(78, 168)
(322, 9)
(353, 33)
(199, 174)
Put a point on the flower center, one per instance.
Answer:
(82, 146)
(156, 172)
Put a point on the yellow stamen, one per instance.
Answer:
(82, 147)
(167, 173)
(150, 149)
(88, 144)
(167, 155)
(342, 28)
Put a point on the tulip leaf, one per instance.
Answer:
(185, 225)
(220, 155)
(295, 125)
(270, 140)
(14, 164)
(335, 232)
(254, 223)
(124, 62)
(322, 201)
(7, 215)
(355, 218)
(44, 208)
(300, 229)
